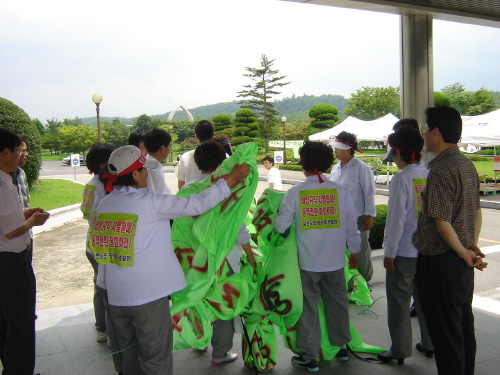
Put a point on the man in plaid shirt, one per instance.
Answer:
(446, 238)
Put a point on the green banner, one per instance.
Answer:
(87, 201)
(111, 238)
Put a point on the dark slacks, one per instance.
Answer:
(17, 314)
(445, 287)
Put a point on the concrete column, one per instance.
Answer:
(417, 83)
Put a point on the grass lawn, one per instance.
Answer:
(52, 194)
(58, 157)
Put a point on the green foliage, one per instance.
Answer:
(441, 99)
(39, 126)
(296, 129)
(257, 96)
(77, 138)
(222, 124)
(471, 103)
(188, 144)
(183, 128)
(324, 116)
(144, 122)
(245, 127)
(72, 121)
(486, 151)
(370, 103)
(305, 102)
(477, 158)
(50, 140)
(13, 118)
(377, 232)
(115, 133)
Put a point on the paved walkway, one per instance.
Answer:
(66, 338)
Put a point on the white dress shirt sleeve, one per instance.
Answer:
(353, 238)
(396, 215)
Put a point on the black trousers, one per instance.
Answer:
(17, 314)
(445, 287)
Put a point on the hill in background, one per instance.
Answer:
(293, 108)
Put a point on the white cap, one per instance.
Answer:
(126, 159)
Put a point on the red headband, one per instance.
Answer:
(112, 178)
(313, 171)
(347, 144)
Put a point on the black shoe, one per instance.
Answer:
(342, 355)
(311, 366)
(382, 358)
(428, 353)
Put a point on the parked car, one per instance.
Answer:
(67, 160)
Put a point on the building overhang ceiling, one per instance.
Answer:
(477, 12)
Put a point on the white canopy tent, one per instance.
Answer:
(482, 130)
(376, 130)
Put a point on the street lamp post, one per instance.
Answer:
(97, 99)
(283, 121)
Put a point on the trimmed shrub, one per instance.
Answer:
(16, 120)
(377, 232)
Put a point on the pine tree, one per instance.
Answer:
(222, 124)
(257, 96)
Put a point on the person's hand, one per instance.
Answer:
(469, 257)
(367, 223)
(353, 261)
(30, 211)
(389, 264)
(480, 264)
(237, 174)
(477, 251)
(39, 218)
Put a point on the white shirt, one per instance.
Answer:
(274, 176)
(320, 250)
(156, 272)
(402, 217)
(156, 178)
(187, 170)
(357, 178)
(11, 217)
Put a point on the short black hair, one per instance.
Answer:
(269, 158)
(316, 155)
(136, 137)
(209, 155)
(405, 122)
(155, 138)
(409, 141)
(98, 154)
(204, 130)
(8, 140)
(447, 120)
(350, 138)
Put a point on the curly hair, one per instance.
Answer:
(98, 155)
(209, 155)
(316, 155)
(409, 143)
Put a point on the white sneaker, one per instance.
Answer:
(101, 336)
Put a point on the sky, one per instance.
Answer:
(150, 56)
